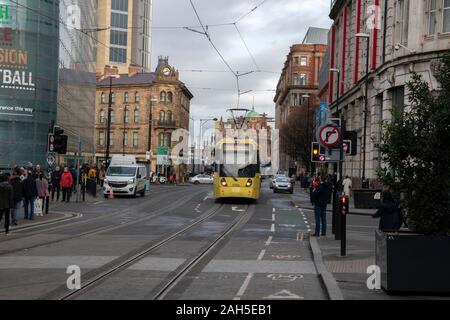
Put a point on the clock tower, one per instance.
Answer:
(165, 71)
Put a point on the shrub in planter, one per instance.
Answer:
(416, 152)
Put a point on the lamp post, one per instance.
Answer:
(366, 103)
(308, 142)
(108, 130)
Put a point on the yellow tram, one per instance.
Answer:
(237, 169)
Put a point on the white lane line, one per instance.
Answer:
(205, 198)
(269, 241)
(273, 217)
(272, 228)
(274, 210)
(261, 255)
(309, 230)
(244, 286)
(308, 226)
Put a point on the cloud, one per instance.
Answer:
(269, 31)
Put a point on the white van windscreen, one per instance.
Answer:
(121, 172)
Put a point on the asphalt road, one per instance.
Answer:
(174, 243)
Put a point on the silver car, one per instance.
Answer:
(283, 184)
(272, 180)
(201, 179)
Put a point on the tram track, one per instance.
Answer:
(98, 276)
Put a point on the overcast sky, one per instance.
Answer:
(269, 32)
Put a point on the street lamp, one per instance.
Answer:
(108, 130)
(366, 103)
(307, 96)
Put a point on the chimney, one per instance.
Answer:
(110, 70)
(133, 69)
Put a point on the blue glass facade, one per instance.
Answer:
(29, 45)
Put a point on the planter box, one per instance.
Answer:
(367, 198)
(413, 263)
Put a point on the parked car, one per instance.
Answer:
(283, 184)
(201, 179)
(272, 180)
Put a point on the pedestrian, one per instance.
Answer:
(55, 182)
(29, 195)
(6, 200)
(389, 213)
(43, 194)
(347, 185)
(101, 176)
(74, 174)
(16, 183)
(83, 183)
(66, 184)
(321, 195)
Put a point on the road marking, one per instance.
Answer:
(205, 198)
(285, 257)
(273, 210)
(244, 286)
(237, 210)
(272, 228)
(261, 255)
(284, 277)
(283, 294)
(273, 217)
(288, 225)
(269, 241)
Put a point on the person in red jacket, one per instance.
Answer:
(66, 183)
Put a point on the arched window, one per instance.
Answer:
(170, 97)
(137, 97)
(126, 97)
(162, 116)
(113, 116)
(113, 97)
(169, 116)
(126, 115)
(137, 115)
(162, 96)
(161, 139)
(102, 116)
(102, 98)
(168, 139)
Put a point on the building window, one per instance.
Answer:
(118, 38)
(111, 139)
(295, 101)
(137, 115)
(113, 116)
(400, 13)
(113, 97)
(304, 61)
(119, 5)
(118, 55)
(101, 138)
(168, 139)
(125, 138)
(296, 61)
(102, 116)
(126, 117)
(170, 97)
(119, 20)
(102, 98)
(162, 96)
(135, 139)
(300, 79)
(137, 97)
(161, 139)
(169, 116)
(432, 9)
(126, 97)
(162, 116)
(446, 17)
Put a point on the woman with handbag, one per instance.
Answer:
(43, 194)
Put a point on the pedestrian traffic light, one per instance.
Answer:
(316, 154)
(57, 141)
(344, 205)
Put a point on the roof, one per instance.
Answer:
(254, 114)
(316, 36)
(125, 80)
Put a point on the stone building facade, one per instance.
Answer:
(300, 77)
(146, 110)
(401, 37)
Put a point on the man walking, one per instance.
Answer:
(16, 183)
(6, 200)
(29, 194)
(55, 182)
(321, 196)
(66, 184)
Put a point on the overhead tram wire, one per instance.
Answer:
(246, 47)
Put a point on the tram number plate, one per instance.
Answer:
(236, 190)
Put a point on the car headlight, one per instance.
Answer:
(106, 181)
(223, 182)
(131, 181)
(289, 185)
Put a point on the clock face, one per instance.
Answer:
(166, 71)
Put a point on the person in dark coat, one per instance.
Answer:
(29, 195)
(6, 200)
(388, 213)
(16, 183)
(55, 183)
(320, 197)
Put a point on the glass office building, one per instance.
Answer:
(29, 34)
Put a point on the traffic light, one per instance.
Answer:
(57, 141)
(352, 136)
(316, 155)
(344, 205)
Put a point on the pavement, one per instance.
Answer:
(349, 272)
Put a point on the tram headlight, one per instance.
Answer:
(249, 183)
(223, 182)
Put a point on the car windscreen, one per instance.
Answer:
(121, 172)
(283, 180)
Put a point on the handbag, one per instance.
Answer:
(38, 206)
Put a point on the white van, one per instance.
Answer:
(125, 177)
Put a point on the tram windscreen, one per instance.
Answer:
(239, 161)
